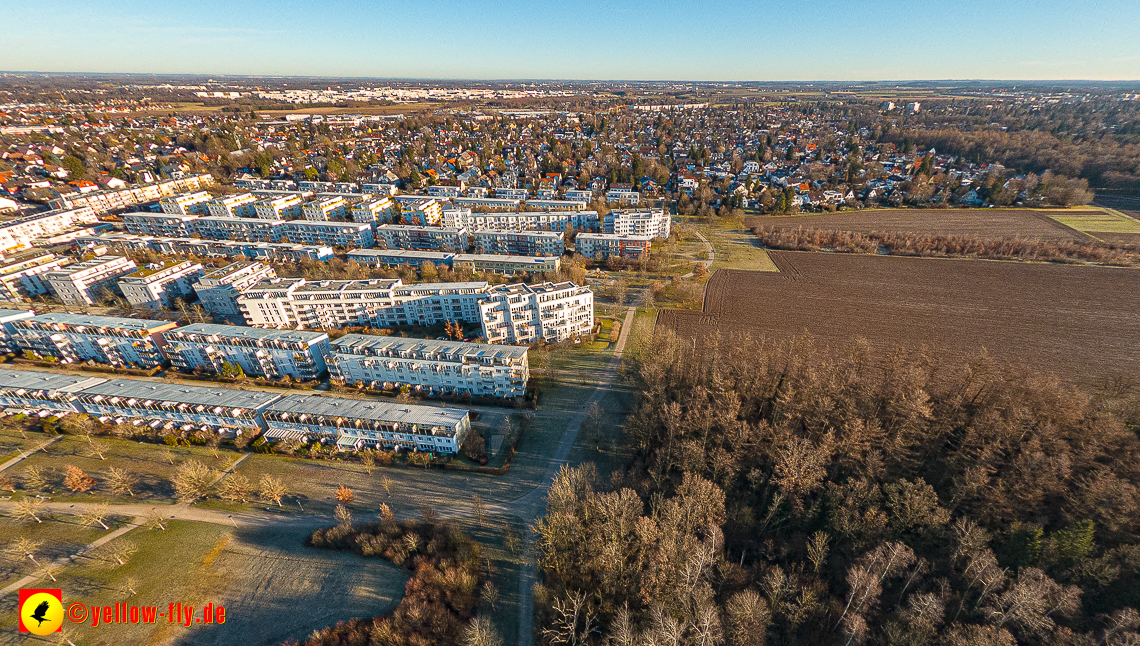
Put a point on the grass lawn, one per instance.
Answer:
(59, 535)
(13, 443)
(147, 461)
(1103, 221)
(735, 247)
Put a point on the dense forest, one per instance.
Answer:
(791, 493)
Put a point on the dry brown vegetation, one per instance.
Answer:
(979, 223)
(1080, 322)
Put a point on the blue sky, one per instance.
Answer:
(581, 39)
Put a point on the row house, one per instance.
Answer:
(157, 286)
(599, 246)
(520, 243)
(525, 314)
(397, 257)
(218, 289)
(403, 236)
(105, 339)
(506, 264)
(259, 352)
(29, 389)
(177, 406)
(83, 283)
(367, 424)
(450, 367)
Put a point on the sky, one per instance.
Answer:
(731, 40)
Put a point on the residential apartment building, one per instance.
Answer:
(523, 220)
(599, 246)
(131, 196)
(82, 283)
(325, 209)
(105, 339)
(247, 229)
(218, 289)
(445, 191)
(228, 411)
(18, 233)
(8, 329)
(580, 195)
(654, 223)
(259, 352)
(29, 389)
(267, 251)
(623, 196)
(284, 207)
(403, 236)
(490, 203)
(185, 203)
(23, 278)
(366, 424)
(512, 193)
(327, 304)
(421, 212)
(372, 210)
(450, 367)
(334, 234)
(157, 286)
(397, 257)
(505, 264)
(232, 206)
(556, 205)
(159, 224)
(525, 314)
(520, 243)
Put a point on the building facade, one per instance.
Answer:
(8, 329)
(29, 389)
(106, 339)
(525, 314)
(178, 406)
(403, 236)
(397, 257)
(157, 287)
(285, 207)
(218, 289)
(599, 246)
(18, 233)
(654, 223)
(83, 282)
(23, 278)
(519, 243)
(502, 264)
(259, 352)
(333, 234)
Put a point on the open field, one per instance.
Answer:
(1077, 321)
(1107, 225)
(980, 223)
(59, 535)
(733, 243)
(13, 443)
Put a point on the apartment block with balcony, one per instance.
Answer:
(490, 203)
(159, 224)
(519, 243)
(373, 210)
(186, 203)
(227, 411)
(218, 289)
(505, 264)
(450, 367)
(285, 207)
(243, 229)
(19, 233)
(599, 246)
(335, 234)
(82, 283)
(623, 196)
(29, 389)
(397, 257)
(73, 338)
(525, 314)
(403, 236)
(556, 205)
(366, 424)
(422, 212)
(580, 195)
(523, 220)
(232, 206)
(157, 286)
(326, 209)
(654, 223)
(23, 278)
(259, 352)
(7, 328)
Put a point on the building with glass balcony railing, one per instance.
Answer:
(73, 338)
(524, 314)
(365, 424)
(84, 283)
(29, 389)
(218, 289)
(450, 367)
(156, 286)
(403, 236)
(177, 406)
(259, 352)
(8, 319)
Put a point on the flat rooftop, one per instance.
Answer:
(182, 394)
(87, 320)
(32, 380)
(243, 332)
(396, 345)
(333, 407)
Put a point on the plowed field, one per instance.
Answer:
(1076, 321)
(980, 223)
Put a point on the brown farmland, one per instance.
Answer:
(980, 223)
(1080, 322)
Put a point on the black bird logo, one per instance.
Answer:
(40, 614)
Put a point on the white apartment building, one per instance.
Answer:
(105, 339)
(18, 233)
(159, 224)
(397, 257)
(23, 278)
(421, 212)
(259, 352)
(450, 367)
(512, 193)
(445, 191)
(177, 406)
(218, 289)
(374, 209)
(379, 189)
(556, 205)
(654, 223)
(325, 209)
(8, 329)
(232, 206)
(520, 243)
(403, 236)
(248, 229)
(157, 286)
(270, 251)
(579, 195)
(130, 196)
(81, 283)
(523, 220)
(491, 203)
(185, 204)
(599, 246)
(623, 196)
(504, 264)
(327, 304)
(525, 314)
(365, 424)
(336, 234)
(285, 207)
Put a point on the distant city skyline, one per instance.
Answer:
(582, 39)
